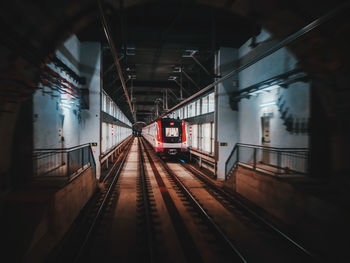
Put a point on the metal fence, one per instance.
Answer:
(272, 159)
(65, 162)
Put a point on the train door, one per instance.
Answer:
(265, 138)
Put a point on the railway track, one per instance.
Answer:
(72, 247)
(156, 211)
(230, 201)
(192, 251)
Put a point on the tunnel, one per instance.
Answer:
(175, 131)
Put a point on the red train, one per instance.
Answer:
(167, 136)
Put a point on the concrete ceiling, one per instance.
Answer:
(160, 31)
(157, 37)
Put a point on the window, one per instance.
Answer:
(103, 102)
(212, 138)
(195, 136)
(184, 109)
(190, 114)
(204, 105)
(172, 132)
(211, 98)
(198, 108)
(206, 130)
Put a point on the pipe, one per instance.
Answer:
(114, 54)
(314, 24)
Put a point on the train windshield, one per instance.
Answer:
(172, 132)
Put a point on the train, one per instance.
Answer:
(167, 136)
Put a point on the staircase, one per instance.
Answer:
(293, 123)
(273, 160)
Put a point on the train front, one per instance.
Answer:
(171, 137)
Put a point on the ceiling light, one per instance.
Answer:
(190, 52)
(177, 69)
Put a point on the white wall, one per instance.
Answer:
(53, 119)
(244, 125)
(250, 111)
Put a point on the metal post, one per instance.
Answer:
(67, 164)
(181, 87)
(254, 165)
(181, 95)
(166, 99)
(278, 162)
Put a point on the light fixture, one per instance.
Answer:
(190, 52)
(264, 88)
(271, 103)
(177, 69)
(172, 77)
(132, 76)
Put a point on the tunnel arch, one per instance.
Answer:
(31, 36)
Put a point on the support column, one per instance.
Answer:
(226, 118)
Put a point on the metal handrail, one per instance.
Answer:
(283, 160)
(272, 148)
(63, 162)
(61, 149)
(113, 149)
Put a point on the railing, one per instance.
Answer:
(271, 159)
(204, 159)
(64, 163)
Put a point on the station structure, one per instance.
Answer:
(262, 86)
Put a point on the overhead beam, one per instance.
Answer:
(288, 40)
(148, 93)
(114, 54)
(144, 111)
(145, 103)
(154, 84)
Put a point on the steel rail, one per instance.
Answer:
(114, 53)
(146, 201)
(187, 244)
(311, 26)
(231, 199)
(102, 206)
(127, 144)
(202, 211)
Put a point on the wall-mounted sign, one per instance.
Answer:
(93, 144)
(223, 143)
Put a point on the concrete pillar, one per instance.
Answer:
(227, 119)
(90, 64)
